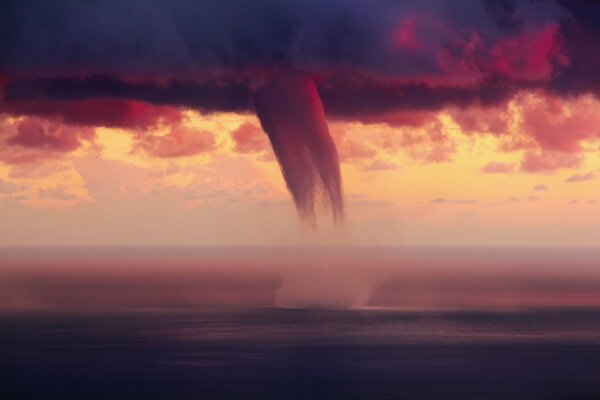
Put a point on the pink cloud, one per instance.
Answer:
(436, 153)
(548, 122)
(581, 177)
(429, 146)
(495, 167)
(249, 138)
(529, 55)
(356, 150)
(478, 119)
(57, 193)
(412, 118)
(547, 161)
(179, 142)
(50, 135)
(558, 124)
(379, 165)
(405, 36)
(353, 150)
(443, 200)
(33, 139)
(8, 187)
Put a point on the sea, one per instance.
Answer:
(302, 323)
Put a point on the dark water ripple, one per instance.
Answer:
(301, 354)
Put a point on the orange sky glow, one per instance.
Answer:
(524, 172)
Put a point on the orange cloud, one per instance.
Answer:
(44, 134)
(495, 167)
(249, 138)
(179, 142)
(30, 139)
(547, 161)
(581, 177)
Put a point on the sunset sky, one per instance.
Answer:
(441, 162)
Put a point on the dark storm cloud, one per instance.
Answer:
(368, 56)
(342, 98)
(178, 36)
(214, 95)
(347, 99)
(580, 32)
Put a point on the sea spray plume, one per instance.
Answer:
(291, 113)
(326, 285)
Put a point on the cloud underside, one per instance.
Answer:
(118, 64)
(367, 57)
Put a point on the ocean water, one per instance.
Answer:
(299, 323)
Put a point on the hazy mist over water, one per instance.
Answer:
(420, 278)
(297, 323)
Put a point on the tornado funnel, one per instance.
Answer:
(291, 113)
